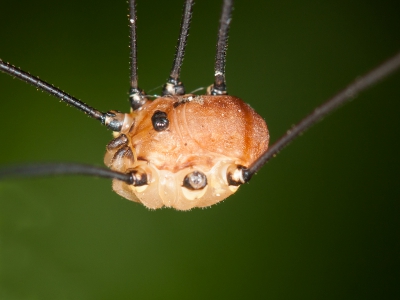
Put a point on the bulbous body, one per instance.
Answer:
(174, 136)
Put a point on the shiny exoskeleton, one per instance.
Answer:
(187, 149)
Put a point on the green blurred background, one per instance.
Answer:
(320, 221)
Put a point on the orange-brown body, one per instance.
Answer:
(207, 133)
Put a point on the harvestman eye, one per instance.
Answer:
(160, 121)
(207, 133)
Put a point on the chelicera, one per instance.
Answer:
(184, 150)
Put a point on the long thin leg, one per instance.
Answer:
(357, 86)
(112, 120)
(133, 177)
(136, 96)
(219, 86)
(62, 169)
(173, 85)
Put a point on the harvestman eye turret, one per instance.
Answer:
(184, 150)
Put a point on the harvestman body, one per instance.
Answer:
(186, 146)
(184, 150)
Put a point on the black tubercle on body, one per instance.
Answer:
(160, 121)
(195, 181)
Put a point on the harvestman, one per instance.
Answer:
(184, 150)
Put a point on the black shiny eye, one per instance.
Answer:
(160, 120)
(195, 181)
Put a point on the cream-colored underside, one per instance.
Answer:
(165, 188)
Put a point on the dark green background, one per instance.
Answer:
(321, 221)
